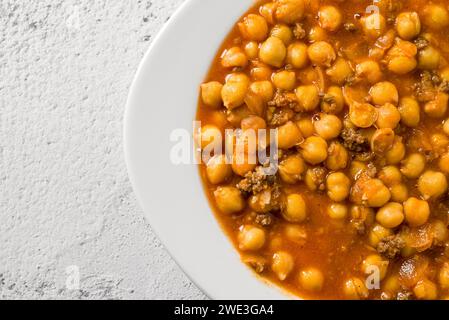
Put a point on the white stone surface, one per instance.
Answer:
(65, 200)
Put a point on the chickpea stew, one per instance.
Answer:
(359, 206)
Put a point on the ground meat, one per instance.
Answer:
(284, 100)
(354, 141)
(258, 264)
(350, 27)
(264, 220)
(391, 246)
(421, 43)
(427, 86)
(404, 295)
(319, 175)
(299, 32)
(256, 181)
(280, 116)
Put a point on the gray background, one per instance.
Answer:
(66, 205)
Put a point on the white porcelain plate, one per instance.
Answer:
(163, 98)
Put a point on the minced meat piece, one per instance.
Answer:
(421, 43)
(319, 175)
(280, 116)
(299, 32)
(391, 246)
(404, 295)
(354, 141)
(284, 100)
(264, 220)
(256, 181)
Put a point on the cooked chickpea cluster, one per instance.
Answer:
(359, 104)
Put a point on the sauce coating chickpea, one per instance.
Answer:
(273, 52)
(282, 264)
(391, 215)
(377, 263)
(337, 211)
(296, 209)
(413, 165)
(408, 25)
(289, 135)
(338, 157)
(218, 170)
(410, 112)
(291, 169)
(338, 186)
(432, 184)
(390, 175)
(330, 18)
(425, 290)
(289, 11)
(340, 71)
(297, 55)
(234, 57)
(254, 27)
(328, 126)
(370, 71)
(374, 25)
(321, 53)
(314, 150)
(251, 238)
(311, 279)
(229, 200)
(389, 116)
(417, 212)
(355, 289)
(285, 80)
(383, 93)
(436, 17)
(282, 32)
(308, 97)
(333, 102)
(211, 94)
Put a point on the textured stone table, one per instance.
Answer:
(67, 210)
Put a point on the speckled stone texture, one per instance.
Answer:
(66, 205)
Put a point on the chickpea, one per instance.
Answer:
(314, 150)
(429, 58)
(261, 72)
(440, 231)
(218, 170)
(289, 11)
(330, 18)
(321, 53)
(374, 193)
(233, 94)
(446, 127)
(340, 71)
(295, 210)
(374, 25)
(389, 116)
(242, 163)
(375, 262)
(268, 12)
(363, 115)
(432, 184)
(254, 28)
(229, 200)
(382, 140)
(383, 93)
(211, 94)
(211, 137)
(296, 233)
(291, 169)
(333, 102)
(297, 55)
(390, 175)
(401, 58)
(443, 163)
(408, 25)
(355, 289)
(390, 215)
(338, 157)
(282, 264)
(436, 17)
(306, 127)
(328, 126)
(425, 290)
(413, 166)
(417, 212)
(399, 192)
(317, 34)
(285, 80)
(337, 211)
(252, 50)
(443, 276)
(356, 169)
(362, 214)
(311, 279)
(273, 52)
(338, 186)
(251, 238)
(234, 57)
(437, 108)
(444, 74)
(369, 70)
(282, 32)
(289, 135)
(263, 89)
(308, 97)
(396, 153)
(439, 142)
(377, 234)
(253, 123)
(410, 112)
